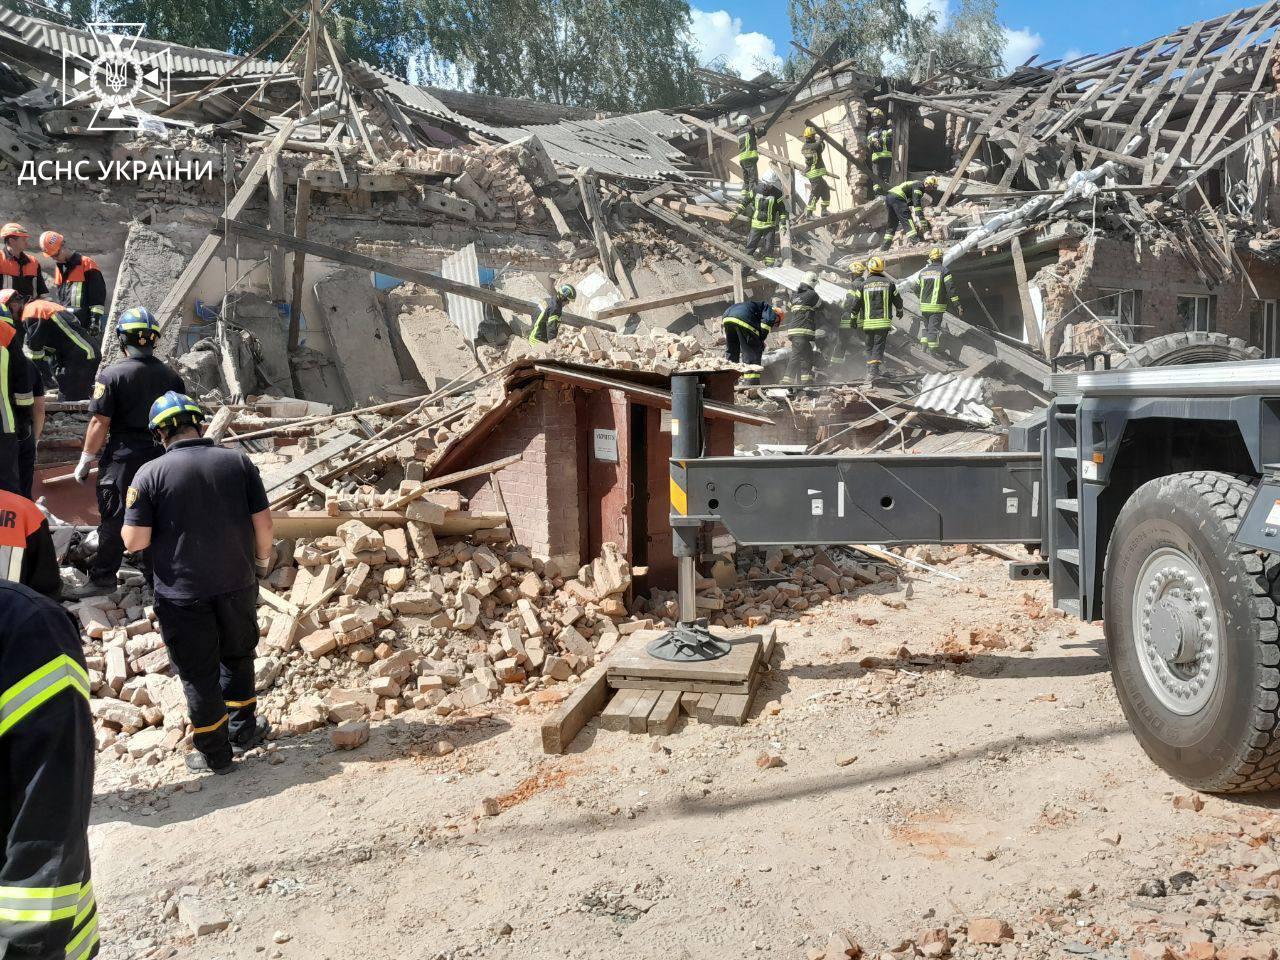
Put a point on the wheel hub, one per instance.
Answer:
(1176, 631)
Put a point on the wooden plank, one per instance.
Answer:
(557, 217)
(451, 478)
(640, 305)
(680, 686)
(1030, 330)
(301, 212)
(799, 85)
(171, 307)
(616, 715)
(734, 253)
(707, 706)
(706, 211)
(731, 710)
(218, 425)
(739, 287)
(589, 190)
(588, 699)
(665, 713)
(630, 659)
(273, 479)
(248, 231)
(689, 703)
(638, 720)
(275, 213)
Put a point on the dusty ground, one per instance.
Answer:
(1006, 786)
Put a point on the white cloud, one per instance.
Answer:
(1019, 45)
(716, 35)
(1072, 54)
(941, 8)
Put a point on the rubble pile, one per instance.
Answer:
(489, 179)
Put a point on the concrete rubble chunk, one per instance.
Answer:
(201, 917)
(349, 736)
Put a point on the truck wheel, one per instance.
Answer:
(1192, 635)
(1196, 346)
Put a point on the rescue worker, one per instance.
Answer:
(905, 204)
(746, 203)
(749, 156)
(547, 324)
(19, 271)
(815, 171)
(54, 334)
(850, 313)
(78, 283)
(879, 149)
(803, 323)
(118, 430)
(47, 910)
(880, 297)
(27, 555)
(768, 214)
(937, 292)
(30, 426)
(746, 325)
(15, 394)
(202, 512)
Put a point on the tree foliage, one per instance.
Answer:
(606, 54)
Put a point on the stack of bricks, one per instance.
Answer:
(493, 170)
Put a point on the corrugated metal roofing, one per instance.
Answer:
(468, 314)
(962, 397)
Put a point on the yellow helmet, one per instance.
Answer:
(931, 182)
(857, 268)
(935, 253)
(875, 113)
(875, 265)
(810, 133)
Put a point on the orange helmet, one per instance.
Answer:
(51, 243)
(12, 230)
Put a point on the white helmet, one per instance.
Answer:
(811, 278)
(771, 177)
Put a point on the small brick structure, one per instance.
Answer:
(594, 444)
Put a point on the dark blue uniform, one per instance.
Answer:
(198, 500)
(745, 327)
(47, 909)
(27, 431)
(124, 392)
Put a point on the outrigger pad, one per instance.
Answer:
(689, 643)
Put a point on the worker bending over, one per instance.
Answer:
(803, 322)
(202, 512)
(749, 156)
(15, 396)
(768, 214)
(850, 313)
(815, 171)
(880, 297)
(56, 336)
(27, 555)
(47, 909)
(119, 412)
(905, 205)
(746, 325)
(879, 149)
(78, 282)
(547, 323)
(937, 292)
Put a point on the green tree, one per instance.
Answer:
(866, 31)
(972, 36)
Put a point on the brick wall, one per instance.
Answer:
(1160, 273)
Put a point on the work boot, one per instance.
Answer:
(197, 762)
(255, 737)
(90, 588)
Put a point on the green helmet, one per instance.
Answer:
(567, 291)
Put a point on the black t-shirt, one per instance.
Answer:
(198, 499)
(26, 414)
(125, 391)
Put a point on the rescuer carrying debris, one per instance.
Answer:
(202, 512)
(749, 156)
(815, 171)
(804, 317)
(77, 281)
(15, 394)
(879, 149)
(746, 325)
(768, 214)
(850, 313)
(47, 910)
(937, 294)
(119, 411)
(879, 297)
(547, 323)
(905, 205)
(56, 336)
(27, 555)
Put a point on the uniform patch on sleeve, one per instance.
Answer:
(99, 389)
(131, 497)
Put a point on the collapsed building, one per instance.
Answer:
(467, 515)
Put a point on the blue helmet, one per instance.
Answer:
(174, 409)
(138, 327)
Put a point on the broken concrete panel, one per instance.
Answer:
(465, 186)
(150, 266)
(362, 348)
(435, 346)
(262, 318)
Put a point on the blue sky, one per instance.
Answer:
(747, 32)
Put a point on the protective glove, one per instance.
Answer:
(262, 565)
(83, 467)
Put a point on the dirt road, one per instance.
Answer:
(983, 772)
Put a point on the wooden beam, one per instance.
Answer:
(302, 207)
(714, 292)
(730, 251)
(248, 231)
(703, 210)
(797, 87)
(170, 308)
(1029, 327)
(275, 214)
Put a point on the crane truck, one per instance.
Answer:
(1149, 498)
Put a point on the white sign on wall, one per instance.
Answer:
(605, 445)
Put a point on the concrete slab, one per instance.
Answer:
(357, 329)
